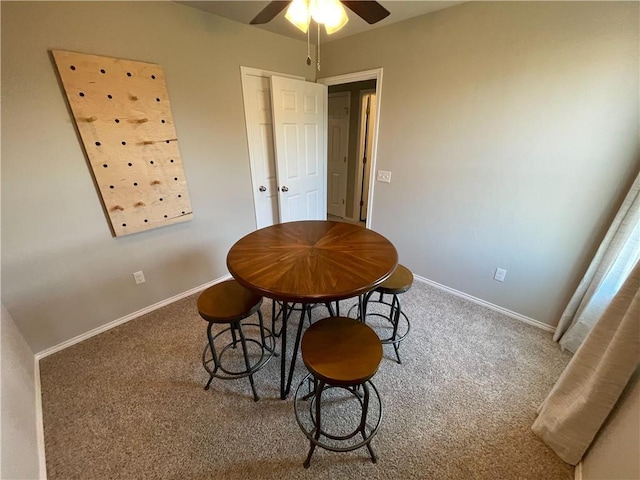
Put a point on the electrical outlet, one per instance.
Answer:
(139, 277)
(384, 176)
(500, 274)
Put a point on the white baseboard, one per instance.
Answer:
(61, 346)
(126, 318)
(478, 301)
(180, 296)
(578, 472)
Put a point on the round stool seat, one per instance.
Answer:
(227, 302)
(230, 303)
(399, 282)
(341, 351)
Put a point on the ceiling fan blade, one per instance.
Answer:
(370, 12)
(269, 12)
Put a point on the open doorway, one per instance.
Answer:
(360, 91)
(351, 113)
(358, 196)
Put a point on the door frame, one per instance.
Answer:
(359, 165)
(374, 74)
(257, 72)
(344, 190)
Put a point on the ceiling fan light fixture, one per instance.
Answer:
(329, 13)
(298, 13)
(335, 16)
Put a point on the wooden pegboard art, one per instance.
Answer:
(122, 111)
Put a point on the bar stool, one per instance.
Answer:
(399, 282)
(229, 303)
(341, 354)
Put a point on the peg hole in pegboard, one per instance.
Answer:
(171, 160)
(146, 220)
(129, 74)
(135, 184)
(98, 144)
(110, 96)
(81, 94)
(166, 216)
(123, 142)
(112, 187)
(157, 99)
(153, 77)
(103, 71)
(179, 196)
(72, 67)
(124, 224)
(161, 199)
(163, 121)
(151, 162)
(130, 164)
(117, 120)
(105, 165)
(175, 178)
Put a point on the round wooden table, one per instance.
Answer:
(308, 262)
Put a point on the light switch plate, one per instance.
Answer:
(500, 274)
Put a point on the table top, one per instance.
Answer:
(312, 261)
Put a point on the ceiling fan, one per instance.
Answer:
(330, 13)
(371, 12)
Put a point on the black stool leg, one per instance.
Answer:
(363, 421)
(312, 447)
(362, 306)
(246, 359)
(264, 339)
(213, 354)
(233, 335)
(330, 309)
(395, 320)
(283, 350)
(275, 316)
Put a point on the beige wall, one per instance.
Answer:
(511, 131)
(63, 273)
(615, 452)
(19, 444)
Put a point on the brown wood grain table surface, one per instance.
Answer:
(309, 262)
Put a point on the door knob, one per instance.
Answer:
(284, 189)
(262, 188)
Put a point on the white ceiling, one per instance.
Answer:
(243, 11)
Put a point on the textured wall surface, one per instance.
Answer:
(19, 434)
(511, 131)
(63, 274)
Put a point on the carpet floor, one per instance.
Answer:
(129, 403)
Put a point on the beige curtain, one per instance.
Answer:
(611, 265)
(594, 379)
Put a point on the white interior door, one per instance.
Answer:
(257, 99)
(338, 148)
(256, 91)
(300, 126)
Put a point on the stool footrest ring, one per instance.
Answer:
(305, 405)
(267, 351)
